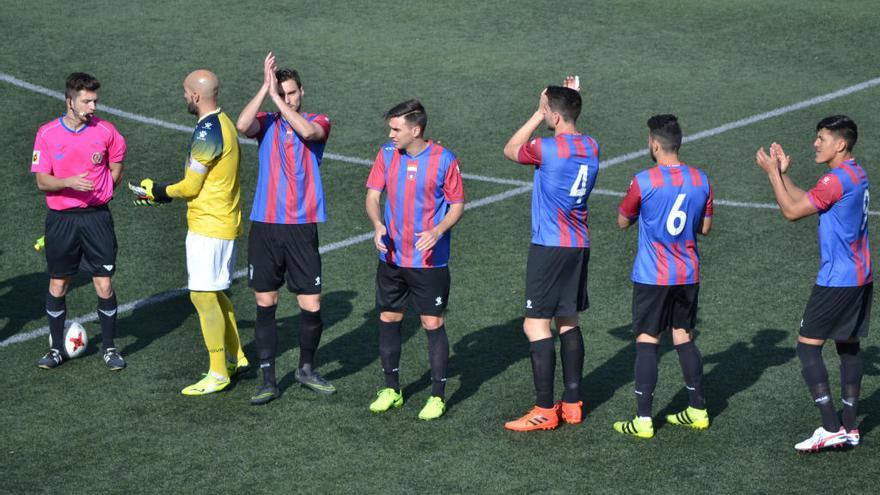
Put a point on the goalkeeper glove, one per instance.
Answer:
(149, 193)
(40, 243)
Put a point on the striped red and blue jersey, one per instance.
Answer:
(670, 202)
(566, 170)
(419, 190)
(842, 198)
(289, 189)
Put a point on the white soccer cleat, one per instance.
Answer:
(823, 439)
(853, 437)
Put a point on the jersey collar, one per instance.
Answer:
(213, 112)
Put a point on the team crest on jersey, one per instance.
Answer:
(411, 171)
(826, 179)
(208, 125)
(36, 158)
(97, 157)
(202, 135)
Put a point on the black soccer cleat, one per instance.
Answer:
(51, 360)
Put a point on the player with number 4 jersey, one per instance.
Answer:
(672, 203)
(839, 307)
(556, 271)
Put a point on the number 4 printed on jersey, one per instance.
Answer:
(579, 186)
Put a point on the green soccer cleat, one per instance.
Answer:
(637, 427)
(314, 381)
(265, 395)
(691, 417)
(434, 408)
(386, 399)
(207, 385)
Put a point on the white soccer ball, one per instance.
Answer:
(76, 339)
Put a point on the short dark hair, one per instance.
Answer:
(565, 101)
(665, 129)
(412, 112)
(288, 75)
(79, 81)
(841, 127)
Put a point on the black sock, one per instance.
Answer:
(816, 375)
(646, 377)
(266, 337)
(571, 350)
(543, 369)
(851, 372)
(310, 330)
(107, 316)
(389, 352)
(692, 368)
(438, 355)
(56, 311)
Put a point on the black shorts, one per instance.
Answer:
(429, 288)
(656, 308)
(80, 239)
(556, 281)
(838, 313)
(279, 252)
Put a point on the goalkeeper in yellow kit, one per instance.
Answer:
(211, 189)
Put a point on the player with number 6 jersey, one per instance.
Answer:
(556, 271)
(672, 203)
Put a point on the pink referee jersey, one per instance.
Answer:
(63, 152)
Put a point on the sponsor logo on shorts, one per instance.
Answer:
(317, 280)
(36, 158)
(97, 157)
(802, 323)
(108, 267)
(528, 304)
(250, 272)
(438, 301)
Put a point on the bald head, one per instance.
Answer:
(203, 82)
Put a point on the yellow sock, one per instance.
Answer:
(230, 337)
(213, 325)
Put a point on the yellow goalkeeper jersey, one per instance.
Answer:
(216, 210)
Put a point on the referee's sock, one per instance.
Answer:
(310, 329)
(107, 315)
(646, 377)
(816, 375)
(266, 337)
(543, 354)
(692, 368)
(571, 350)
(438, 355)
(56, 311)
(389, 352)
(851, 371)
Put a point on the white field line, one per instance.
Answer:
(522, 185)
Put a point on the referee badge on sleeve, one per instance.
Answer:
(36, 158)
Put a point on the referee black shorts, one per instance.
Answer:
(556, 281)
(838, 313)
(657, 308)
(80, 239)
(284, 252)
(429, 288)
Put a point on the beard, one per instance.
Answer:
(191, 108)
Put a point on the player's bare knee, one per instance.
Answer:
(309, 302)
(646, 338)
(266, 299)
(58, 286)
(431, 322)
(681, 336)
(103, 287)
(390, 316)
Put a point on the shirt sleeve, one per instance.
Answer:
(207, 146)
(323, 121)
(265, 120)
(41, 161)
(710, 204)
(530, 153)
(116, 147)
(632, 201)
(453, 189)
(827, 191)
(376, 180)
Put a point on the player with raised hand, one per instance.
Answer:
(211, 189)
(672, 203)
(839, 307)
(556, 271)
(424, 199)
(77, 162)
(288, 205)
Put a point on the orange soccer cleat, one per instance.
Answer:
(539, 418)
(571, 412)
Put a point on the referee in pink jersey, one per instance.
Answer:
(77, 161)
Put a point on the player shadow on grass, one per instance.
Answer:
(870, 406)
(23, 299)
(151, 322)
(335, 307)
(736, 369)
(478, 357)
